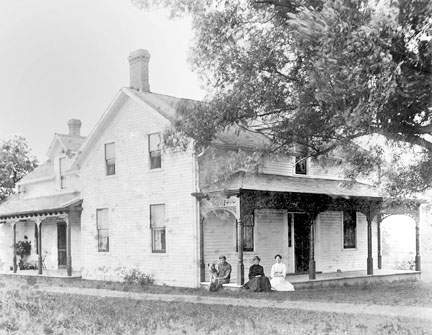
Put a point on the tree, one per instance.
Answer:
(15, 162)
(324, 74)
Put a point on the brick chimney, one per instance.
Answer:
(139, 74)
(74, 127)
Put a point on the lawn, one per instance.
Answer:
(24, 309)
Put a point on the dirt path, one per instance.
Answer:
(424, 313)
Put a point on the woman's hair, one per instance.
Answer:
(278, 256)
(256, 257)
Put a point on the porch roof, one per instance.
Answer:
(16, 206)
(274, 183)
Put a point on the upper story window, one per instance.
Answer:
(110, 158)
(349, 229)
(102, 224)
(158, 228)
(62, 169)
(300, 165)
(155, 151)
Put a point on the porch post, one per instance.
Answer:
(68, 246)
(240, 266)
(417, 256)
(369, 244)
(379, 241)
(202, 264)
(14, 259)
(312, 265)
(38, 222)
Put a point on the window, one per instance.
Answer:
(103, 229)
(248, 233)
(62, 169)
(301, 165)
(155, 151)
(110, 158)
(158, 228)
(349, 229)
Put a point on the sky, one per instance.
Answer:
(63, 59)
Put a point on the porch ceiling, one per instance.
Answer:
(16, 206)
(274, 183)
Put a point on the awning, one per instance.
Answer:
(274, 183)
(17, 206)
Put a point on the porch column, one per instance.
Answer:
(417, 256)
(68, 246)
(202, 264)
(14, 259)
(312, 264)
(38, 223)
(240, 266)
(379, 219)
(369, 245)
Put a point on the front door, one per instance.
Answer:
(61, 245)
(301, 243)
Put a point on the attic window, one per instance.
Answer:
(301, 165)
(110, 158)
(62, 170)
(155, 151)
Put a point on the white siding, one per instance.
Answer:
(330, 254)
(128, 195)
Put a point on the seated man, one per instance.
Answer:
(224, 272)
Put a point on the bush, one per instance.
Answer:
(406, 264)
(135, 276)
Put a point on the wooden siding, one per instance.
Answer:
(330, 254)
(128, 195)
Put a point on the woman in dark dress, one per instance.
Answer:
(258, 282)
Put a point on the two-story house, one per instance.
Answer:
(125, 201)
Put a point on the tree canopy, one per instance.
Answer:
(323, 74)
(15, 162)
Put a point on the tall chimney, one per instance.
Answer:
(74, 127)
(139, 75)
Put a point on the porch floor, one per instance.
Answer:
(347, 278)
(60, 273)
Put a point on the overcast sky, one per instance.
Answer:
(63, 59)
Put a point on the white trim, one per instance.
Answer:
(32, 181)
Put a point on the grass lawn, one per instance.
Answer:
(26, 310)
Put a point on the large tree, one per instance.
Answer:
(15, 162)
(324, 74)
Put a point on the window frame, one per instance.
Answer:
(297, 161)
(248, 221)
(110, 163)
(105, 230)
(158, 155)
(349, 242)
(62, 176)
(158, 228)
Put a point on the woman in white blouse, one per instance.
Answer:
(278, 273)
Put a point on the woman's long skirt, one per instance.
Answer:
(280, 284)
(258, 284)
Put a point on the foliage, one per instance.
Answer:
(15, 162)
(135, 276)
(23, 248)
(406, 264)
(319, 73)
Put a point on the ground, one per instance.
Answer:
(35, 305)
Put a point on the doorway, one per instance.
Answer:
(61, 245)
(301, 243)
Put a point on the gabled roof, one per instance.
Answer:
(43, 171)
(67, 142)
(275, 183)
(15, 206)
(236, 137)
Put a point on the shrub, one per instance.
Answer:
(135, 276)
(406, 264)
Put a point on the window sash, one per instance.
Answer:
(102, 225)
(349, 229)
(103, 240)
(157, 216)
(62, 169)
(155, 152)
(300, 165)
(110, 158)
(159, 239)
